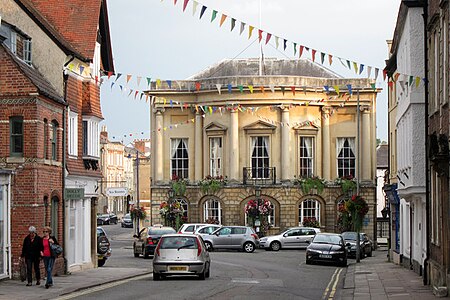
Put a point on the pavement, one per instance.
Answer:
(373, 278)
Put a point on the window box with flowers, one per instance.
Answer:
(172, 214)
(308, 184)
(347, 183)
(138, 213)
(211, 184)
(178, 185)
(253, 212)
(311, 222)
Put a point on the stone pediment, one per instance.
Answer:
(215, 128)
(260, 127)
(308, 127)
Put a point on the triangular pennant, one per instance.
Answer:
(148, 81)
(327, 88)
(396, 76)
(284, 44)
(301, 50)
(185, 4)
(330, 59)
(376, 73)
(135, 94)
(140, 97)
(373, 86)
(241, 88)
(260, 32)
(194, 7)
(349, 87)
(268, 36)
(109, 74)
(250, 31)
(384, 74)
(214, 15)
(272, 88)
(81, 70)
(391, 84)
(295, 48)
(121, 87)
(233, 23)
(158, 83)
(313, 54)
(293, 90)
(361, 68)
(169, 83)
(202, 11)
(355, 67)
(219, 86)
(411, 80)
(175, 2)
(322, 57)
(128, 78)
(250, 87)
(336, 88)
(283, 89)
(348, 65)
(417, 82)
(262, 89)
(277, 40)
(130, 93)
(198, 85)
(222, 19)
(242, 28)
(112, 83)
(369, 71)
(118, 76)
(230, 88)
(138, 79)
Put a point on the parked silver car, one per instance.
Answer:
(297, 237)
(207, 229)
(181, 254)
(190, 227)
(232, 237)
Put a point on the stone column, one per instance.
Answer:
(234, 145)
(366, 157)
(198, 153)
(285, 158)
(159, 175)
(326, 144)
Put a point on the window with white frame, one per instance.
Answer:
(54, 140)
(13, 42)
(215, 156)
(306, 149)
(95, 65)
(185, 205)
(346, 157)
(212, 211)
(310, 208)
(270, 217)
(179, 162)
(91, 137)
(27, 51)
(73, 134)
(260, 157)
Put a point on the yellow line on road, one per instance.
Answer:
(325, 293)
(333, 291)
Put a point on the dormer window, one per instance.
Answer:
(17, 41)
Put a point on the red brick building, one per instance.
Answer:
(51, 56)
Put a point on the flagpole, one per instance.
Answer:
(260, 46)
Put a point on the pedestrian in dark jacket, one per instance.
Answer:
(47, 254)
(31, 252)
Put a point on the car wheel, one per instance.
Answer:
(202, 275)
(249, 247)
(156, 276)
(209, 246)
(134, 251)
(308, 262)
(101, 262)
(275, 246)
(208, 272)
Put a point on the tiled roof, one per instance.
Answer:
(382, 156)
(44, 87)
(76, 20)
(271, 67)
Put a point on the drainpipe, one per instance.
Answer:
(427, 164)
(63, 175)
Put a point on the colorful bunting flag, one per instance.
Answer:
(417, 82)
(213, 16)
(169, 83)
(138, 79)
(268, 36)
(250, 31)
(260, 32)
(194, 7)
(355, 66)
(241, 88)
(313, 54)
(361, 68)
(376, 73)
(330, 59)
(128, 78)
(336, 88)
(277, 41)
(284, 44)
(148, 81)
(242, 28)
(202, 11)
(185, 4)
(224, 17)
(301, 50)
(322, 57)
(349, 87)
(293, 90)
(373, 86)
(282, 89)
(272, 88)
(250, 87)
(348, 64)
(109, 74)
(369, 70)
(158, 83)
(295, 48)
(198, 86)
(233, 23)
(219, 86)
(384, 74)
(230, 88)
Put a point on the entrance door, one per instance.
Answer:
(4, 229)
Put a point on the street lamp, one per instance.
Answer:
(258, 200)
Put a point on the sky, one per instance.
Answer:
(156, 39)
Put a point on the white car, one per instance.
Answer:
(207, 229)
(190, 227)
(297, 237)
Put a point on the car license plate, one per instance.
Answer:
(178, 268)
(325, 255)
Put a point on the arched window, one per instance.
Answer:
(310, 208)
(212, 211)
(185, 206)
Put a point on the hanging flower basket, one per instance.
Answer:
(307, 184)
(262, 211)
(352, 212)
(347, 184)
(138, 213)
(178, 185)
(172, 214)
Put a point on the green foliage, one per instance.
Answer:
(138, 213)
(212, 184)
(178, 185)
(347, 184)
(309, 183)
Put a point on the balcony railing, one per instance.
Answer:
(259, 176)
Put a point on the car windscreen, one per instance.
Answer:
(349, 236)
(327, 239)
(160, 231)
(178, 242)
(100, 232)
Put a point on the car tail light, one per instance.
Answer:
(199, 247)
(255, 236)
(149, 241)
(157, 247)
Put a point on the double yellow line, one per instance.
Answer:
(331, 288)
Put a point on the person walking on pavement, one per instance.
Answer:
(47, 255)
(31, 252)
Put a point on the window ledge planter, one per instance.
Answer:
(312, 184)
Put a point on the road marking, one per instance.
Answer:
(332, 284)
(245, 280)
(102, 287)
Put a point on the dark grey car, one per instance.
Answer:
(232, 237)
